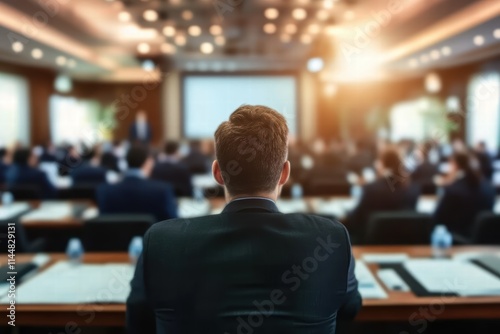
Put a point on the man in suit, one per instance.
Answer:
(23, 174)
(140, 131)
(89, 172)
(171, 170)
(195, 160)
(135, 193)
(250, 268)
(3, 166)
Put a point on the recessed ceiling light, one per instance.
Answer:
(207, 48)
(322, 15)
(180, 40)
(299, 14)
(328, 4)
(143, 48)
(269, 28)
(446, 50)
(169, 31)
(220, 40)
(36, 53)
(17, 47)
(479, 40)
(290, 28)
(168, 48)
(187, 15)
(435, 54)
(306, 39)
(194, 30)
(61, 60)
(71, 63)
(124, 16)
(215, 29)
(150, 15)
(413, 63)
(496, 33)
(271, 13)
(349, 15)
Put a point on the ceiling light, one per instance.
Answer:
(285, 38)
(215, 29)
(496, 33)
(71, 63)
(194, 30)
(168, 48)
(143, 48)
(299, 14)
(187, 15)
(432, 83)
(206, 48)
(180, 40)
(349, 15)
(269, 28)
(315, 64)
(124, 16)
(435, 54)
(322, 15)
(37, 53)
(306, 39)
(479, 40)
(220, 40)
(271, 13)
(328, 4)
(61, 60)
(169, 31)
(314, 28)
(150, 15)
(446, 50)
(290, 28)
(413, 63)
(17, 47)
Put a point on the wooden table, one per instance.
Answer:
(400, 306)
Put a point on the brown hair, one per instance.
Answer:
(464, 162)
(392, 161)
(251, 148)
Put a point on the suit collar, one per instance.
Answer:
(251, 204)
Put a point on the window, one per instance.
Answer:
(14, 110)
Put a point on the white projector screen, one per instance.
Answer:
(209, 100)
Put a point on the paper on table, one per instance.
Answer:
(368, 286)
(385, 258)
(189, 208)
(50, 211)
(426, 205)
(68, 283)
(451, 276)
(292, 206)
(338, 207)
(12, 210)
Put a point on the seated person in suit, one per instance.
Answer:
(425, 171)
(360, 157)
(135, 193)
(3, 165)
(111, 157)
(89, 172)
(484, 159)
(392, 191)
(250, 266)
(171, 170)
(24, 174)
(195, 160)
(466, 193)
(49, 153)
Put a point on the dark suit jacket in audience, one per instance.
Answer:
(135, 194)
(197, 163)
(460, 204)
(382, 195)
(19, 176)
(88, 174)
(3, 172)
(176, 174)
(485, 164)
(424, 173)
(249, 268)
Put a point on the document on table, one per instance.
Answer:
(292, 206)
(426, 205)
(368, 286)
(12, 210)
(189, 208)
(338, 207)
(452, 276)
(50, 211)
(69, 283)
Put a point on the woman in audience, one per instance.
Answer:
(466, 194)
(392, 191)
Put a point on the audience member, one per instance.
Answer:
(89, 172)
(484, 159)
(171, 170)
(195, 160)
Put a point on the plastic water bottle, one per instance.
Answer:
(75, 251)
(7, 198)
(441, 241)
(296, 191)
(135, 249)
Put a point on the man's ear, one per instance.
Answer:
(217, 173)
(285, 173)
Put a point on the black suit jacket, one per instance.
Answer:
(248, 269)
(137, 195)
(460, 204)
(18, 176)
(88, 174)
(176, 174)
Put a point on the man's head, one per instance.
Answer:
(24, 157)
(251, 152)
(139, 157)
(141, 116)
(171, 148)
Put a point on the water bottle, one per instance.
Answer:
(441, 241)
(135, 249)
(296, 191)
(75, 251)
(7, 198)
(356, 192)
(198, 194)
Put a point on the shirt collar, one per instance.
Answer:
(251, 203)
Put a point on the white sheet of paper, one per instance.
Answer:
(68, 283)
(338, 207)
(204, 181)
(292, 206)
(189, 208)
(50, 211)
(11, 210)
(426, 205)
(385, 258)
(451, 276)
(368, 286)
